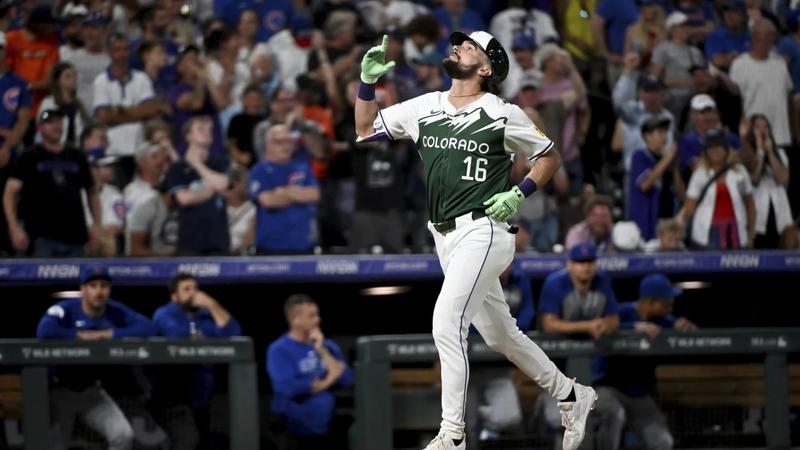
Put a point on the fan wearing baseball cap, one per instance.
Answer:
(654, 178)
(76, 392)
(631, 381)
(672, 60)
(579, 300)
(53, 177)
(704, 115)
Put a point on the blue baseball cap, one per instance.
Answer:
(657, 285)
(583, 252)
(523, 41)
(93, 272)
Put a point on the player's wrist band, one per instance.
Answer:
(366, 92)
(527, 186)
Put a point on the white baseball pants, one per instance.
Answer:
(472, 258)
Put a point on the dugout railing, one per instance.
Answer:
(34, 356)
(377, 354)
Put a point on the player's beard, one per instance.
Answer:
(459, 73)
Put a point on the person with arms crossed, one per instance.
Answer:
(76, 392)
(466, 137)
(303, 368)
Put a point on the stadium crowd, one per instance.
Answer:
(163, 127)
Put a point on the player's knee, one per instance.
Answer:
(446, 327)
(497, 344)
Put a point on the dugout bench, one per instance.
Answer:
(375, 402)
(35, 355)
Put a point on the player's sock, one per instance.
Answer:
(571, 396)
(457, 442)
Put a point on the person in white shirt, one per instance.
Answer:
(764, 81)
(123, 99)
(769, 173)
(64, 88)
(241, 212)
(151, 164)
(287, 50)
(91, 59)
(71, 31)
(720, 199)
(111, 204)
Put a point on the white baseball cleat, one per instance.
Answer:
(444, 442)
(574, 415)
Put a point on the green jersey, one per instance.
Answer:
(467, 153)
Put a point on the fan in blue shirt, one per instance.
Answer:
(286, 193)
(304, 368)
(182, 394)
(654, 178)
(631, 381)
(77, 392)
(731, 39)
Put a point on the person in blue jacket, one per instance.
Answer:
(304, 369)
(631, 381)
(579, 301)
(181, 394)
(78, 392)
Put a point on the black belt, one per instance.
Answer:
(450, 225)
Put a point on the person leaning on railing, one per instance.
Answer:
(76, 391)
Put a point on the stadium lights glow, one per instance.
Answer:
(685, 285)
(66, 294)
(385, 290)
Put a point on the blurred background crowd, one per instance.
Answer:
(212, 127)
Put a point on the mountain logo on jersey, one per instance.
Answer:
(464, 123)
(469, 132)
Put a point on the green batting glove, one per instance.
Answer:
(373, 65)
(503, 206)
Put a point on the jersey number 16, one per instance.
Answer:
(480, 169)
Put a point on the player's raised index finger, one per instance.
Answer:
(385, 43)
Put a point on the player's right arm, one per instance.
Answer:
(373, 66)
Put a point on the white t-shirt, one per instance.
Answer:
(137, 192)
(110, 92)
(241, 79)
(290, 59)
(154, 219)
(87, 66)
(767, 192)
(112, 207)
(738, 181)
(239, 220)
(765, 87)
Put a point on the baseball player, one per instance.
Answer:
(467, 137)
